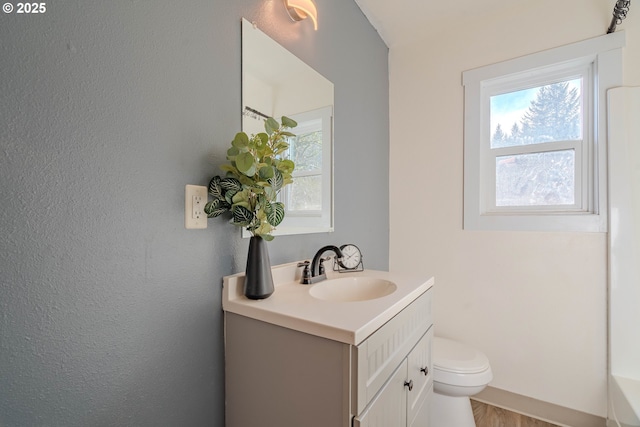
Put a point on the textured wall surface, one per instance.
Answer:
(109, 309)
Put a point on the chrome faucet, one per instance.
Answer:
(317, 273)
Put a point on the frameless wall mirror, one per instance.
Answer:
(276, 83)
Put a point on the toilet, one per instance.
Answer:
(459, 371)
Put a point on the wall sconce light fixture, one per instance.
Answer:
(301, 9)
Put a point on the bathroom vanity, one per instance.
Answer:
(349, 353)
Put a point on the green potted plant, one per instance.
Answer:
(257, 172)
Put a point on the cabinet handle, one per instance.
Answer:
(425, 371)
(409, 384)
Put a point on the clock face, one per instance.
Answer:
(351, 256)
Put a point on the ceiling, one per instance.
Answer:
(400, 21)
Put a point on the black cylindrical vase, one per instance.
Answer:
(258, 281)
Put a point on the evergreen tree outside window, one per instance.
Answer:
(554, 113)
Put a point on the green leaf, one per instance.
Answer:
(266, 172)
(232, 152)
(267, 237)
(216, 208)
(241, 203)
(280, 148)
(259, 142)
(271, 125)
(241, 140)
(242, 216)
(285, 133)
(228, 196)
(246, 163)
(290, 123)
(275, 213)
(264, 229)
(230, 183)
(276, 181)
(245, 180)
(286, 166)
(241, 196)
(214, 188)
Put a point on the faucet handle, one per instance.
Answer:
(321, 269)
(306, 273)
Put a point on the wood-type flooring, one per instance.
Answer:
(492, 416)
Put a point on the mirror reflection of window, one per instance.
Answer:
(305, 149)
(307, 202)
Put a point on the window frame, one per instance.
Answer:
(601, 59)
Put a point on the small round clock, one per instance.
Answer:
(351, 256)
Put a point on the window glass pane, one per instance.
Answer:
(538, 179)
(305, 194)
(541, 114)
(306, 151)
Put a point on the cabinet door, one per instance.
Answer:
(389, 407)
(419, 371)
(423, 413)
(379, 355)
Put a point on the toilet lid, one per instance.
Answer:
(452, 356)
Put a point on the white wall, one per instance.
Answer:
(534, 302)
(109, 309)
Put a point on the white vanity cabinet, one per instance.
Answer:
(278, 376)
(404, 399)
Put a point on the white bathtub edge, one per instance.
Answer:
(625, 402)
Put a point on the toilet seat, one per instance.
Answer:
(459, 372)
(457, 364)
(452, 356)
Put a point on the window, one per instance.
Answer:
(535, 133)
(304, 195)
(541, 161)
(309, 199)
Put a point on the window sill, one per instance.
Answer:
(567, 222)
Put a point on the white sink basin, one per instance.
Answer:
(356, 288)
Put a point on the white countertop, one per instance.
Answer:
(291, 306)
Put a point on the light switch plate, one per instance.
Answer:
(195, 197)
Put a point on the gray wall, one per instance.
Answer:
(110, 310)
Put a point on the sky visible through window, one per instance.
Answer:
(509, 108)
